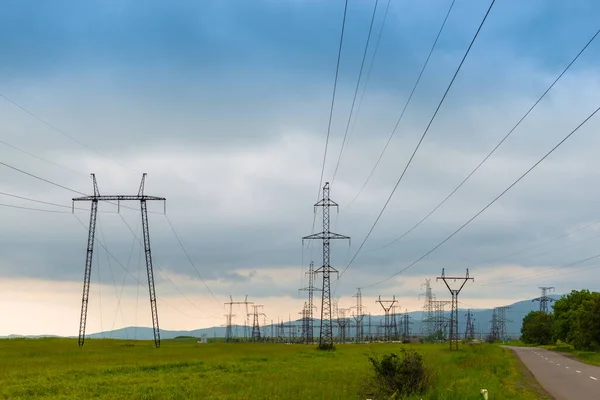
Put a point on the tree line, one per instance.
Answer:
(575, 320)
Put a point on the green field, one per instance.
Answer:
(57, 368)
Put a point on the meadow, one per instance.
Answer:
(118, 369)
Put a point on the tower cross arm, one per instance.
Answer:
(325, 235)
(118, 198)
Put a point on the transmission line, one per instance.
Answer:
(491, 202)
(62, 132)
(421, 139)
(40, 158)
(190, 260)
(337, 70)
(405, 105)
(362, 64)
(496, 147)
(370, 69)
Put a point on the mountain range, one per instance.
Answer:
(482, 322)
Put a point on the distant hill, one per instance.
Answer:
(482, 324)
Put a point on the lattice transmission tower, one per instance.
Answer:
(326, 331)
(255, 323)
(544, 299)
(94, 199)
(358, 316)
(470, 328)
(428, 315)
(387, 306)
(311, 289)
(454, 335)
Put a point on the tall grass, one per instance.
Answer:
(116, 369)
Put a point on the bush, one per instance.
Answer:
(562, 346)
(400, 375)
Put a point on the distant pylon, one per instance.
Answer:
(255, 323)
(387, 306)
(326, 331)
(454, 335)
(342, 323)
(358, 316)
(428, 315)
(470, 329)
(310, 306)
(544, 299)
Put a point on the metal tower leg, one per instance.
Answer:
(153, 308)
(88, 272)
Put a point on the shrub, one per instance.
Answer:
(400, 375)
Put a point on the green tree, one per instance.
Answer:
(576, 319)
(537, 328)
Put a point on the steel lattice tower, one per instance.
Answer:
(255, 323)
(358, 316)
(439, 320)
(470, 328)
(428, 315)
(94, 199)
(386, 308)
(342, 323)
(326, 332)
(544, 299)
(310, 307)
(494, 328)
(406, 325)
(454, 335)
(394, 327)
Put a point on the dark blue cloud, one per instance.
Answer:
(195, 37)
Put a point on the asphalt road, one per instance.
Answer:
(563, 377)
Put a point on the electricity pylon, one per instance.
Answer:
(387, 306)
(544, 299)
(94, 199)
(470, 328)
(358, 315)
(255, 323)
(326, 331)
(454, 335)
(310, 306)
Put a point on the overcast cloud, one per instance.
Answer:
(225, 105)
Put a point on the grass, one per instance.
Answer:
(111, 369)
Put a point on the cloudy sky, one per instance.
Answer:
(225, 105)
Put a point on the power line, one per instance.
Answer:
(34, 209)
(537, 245)
(537, 274)
(422, 137)
(39, 158)
(496, 147)
(42, 179)
(337, 70)
(491, 202)
(405, 105)
(62, 132)
(356, 90)
(362, 96)
(47, 203)
(190, 260)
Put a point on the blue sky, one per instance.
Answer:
(225, 105)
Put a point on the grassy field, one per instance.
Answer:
(57, 368)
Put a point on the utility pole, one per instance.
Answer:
(439, 320)
(255, 323)
(358, 316)
(470, 329)
(494, 328)
(326, 332)
(454, 335)
(544, 299)
(94, 199)
(387, 306)
(394, 327)
(310, 289)
(501, 321)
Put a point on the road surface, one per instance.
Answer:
(563, 377)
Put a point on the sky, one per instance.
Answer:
(225, 105)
